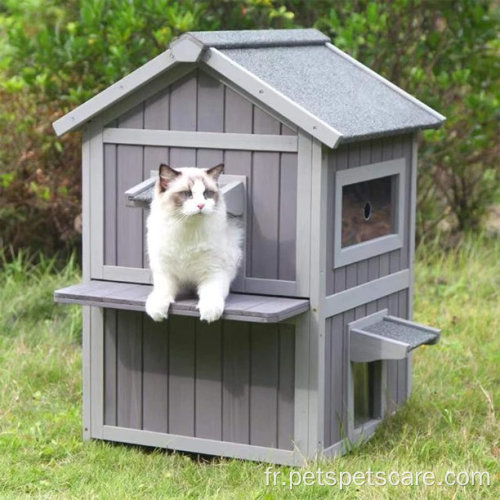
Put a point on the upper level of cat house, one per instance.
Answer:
(273, 106)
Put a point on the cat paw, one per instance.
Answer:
(157, 308)
(211, 310)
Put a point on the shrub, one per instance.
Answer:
(55, 54)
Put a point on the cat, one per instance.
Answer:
(191, 241)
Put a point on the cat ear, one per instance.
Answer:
(167, 175)
(214, 172)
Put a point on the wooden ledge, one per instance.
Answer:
(239, 307)
(380, 336)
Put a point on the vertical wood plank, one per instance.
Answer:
(403, 363)
(157, 111)
(133, 118)
(351, 276)
(129, 246)
(371, 307)
(362, 271)
(155, 375)
(181, 363)
(265, 202)
(378, 266)
(240, 163)
(110, 366)
(287, 217)
(327, 421)
(210, 104)
(110, 204)
(206, 158)
(183, 110)
(338, 401)
(236, 382)
(154, 156)
(392, 366)
(340, 278)
(285, 130)
(407, 151)
(238, 113)
(183, 103)
(208, 389)
(182, 157)
(264, 123)
(263, 385)
(373, 268)
(210, 116)
(129, 369)
(330, 218)
(265, 210)
(286, 387)
(347, 317)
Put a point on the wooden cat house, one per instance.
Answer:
(320, 155)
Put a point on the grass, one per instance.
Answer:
(448, 424)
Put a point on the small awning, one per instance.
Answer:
(381, 336)
(239, 307)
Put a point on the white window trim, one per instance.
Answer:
(376, 246)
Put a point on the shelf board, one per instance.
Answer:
(239, 307)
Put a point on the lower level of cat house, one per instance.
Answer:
(239, 387)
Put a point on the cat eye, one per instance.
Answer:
(209, 194)
(187, 194)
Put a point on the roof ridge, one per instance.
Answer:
(238, 39)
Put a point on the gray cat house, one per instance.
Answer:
(315, 345)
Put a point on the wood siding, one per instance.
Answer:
(226, 381)
(336, 364)
(198, 102)
(355, 155)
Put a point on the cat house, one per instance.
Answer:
(315, 345)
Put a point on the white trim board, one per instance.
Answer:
(210, 140)
(367, 292)
(201, 445)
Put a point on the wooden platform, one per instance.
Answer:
(239, 307)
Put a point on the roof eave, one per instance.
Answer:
(114, 93)
(391, 132)
(437, 116)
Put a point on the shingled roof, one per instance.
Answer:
(296, 72)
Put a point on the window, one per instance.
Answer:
(369, 204)
(367, 210)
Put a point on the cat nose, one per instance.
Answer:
(200, 206)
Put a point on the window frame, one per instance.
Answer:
(382, 244)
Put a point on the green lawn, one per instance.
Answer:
(448, 424)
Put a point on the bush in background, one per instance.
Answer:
(55, 54)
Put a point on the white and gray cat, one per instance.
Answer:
(191, 241)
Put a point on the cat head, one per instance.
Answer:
(189, 191)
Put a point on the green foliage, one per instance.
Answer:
(446, 54)
(55, 54)
(448, 424)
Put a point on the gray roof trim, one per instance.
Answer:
(268, 95)
(259, 38)
(391, 85)
(114, 93)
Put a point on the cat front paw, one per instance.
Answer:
(157, 307)
(211, 310)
